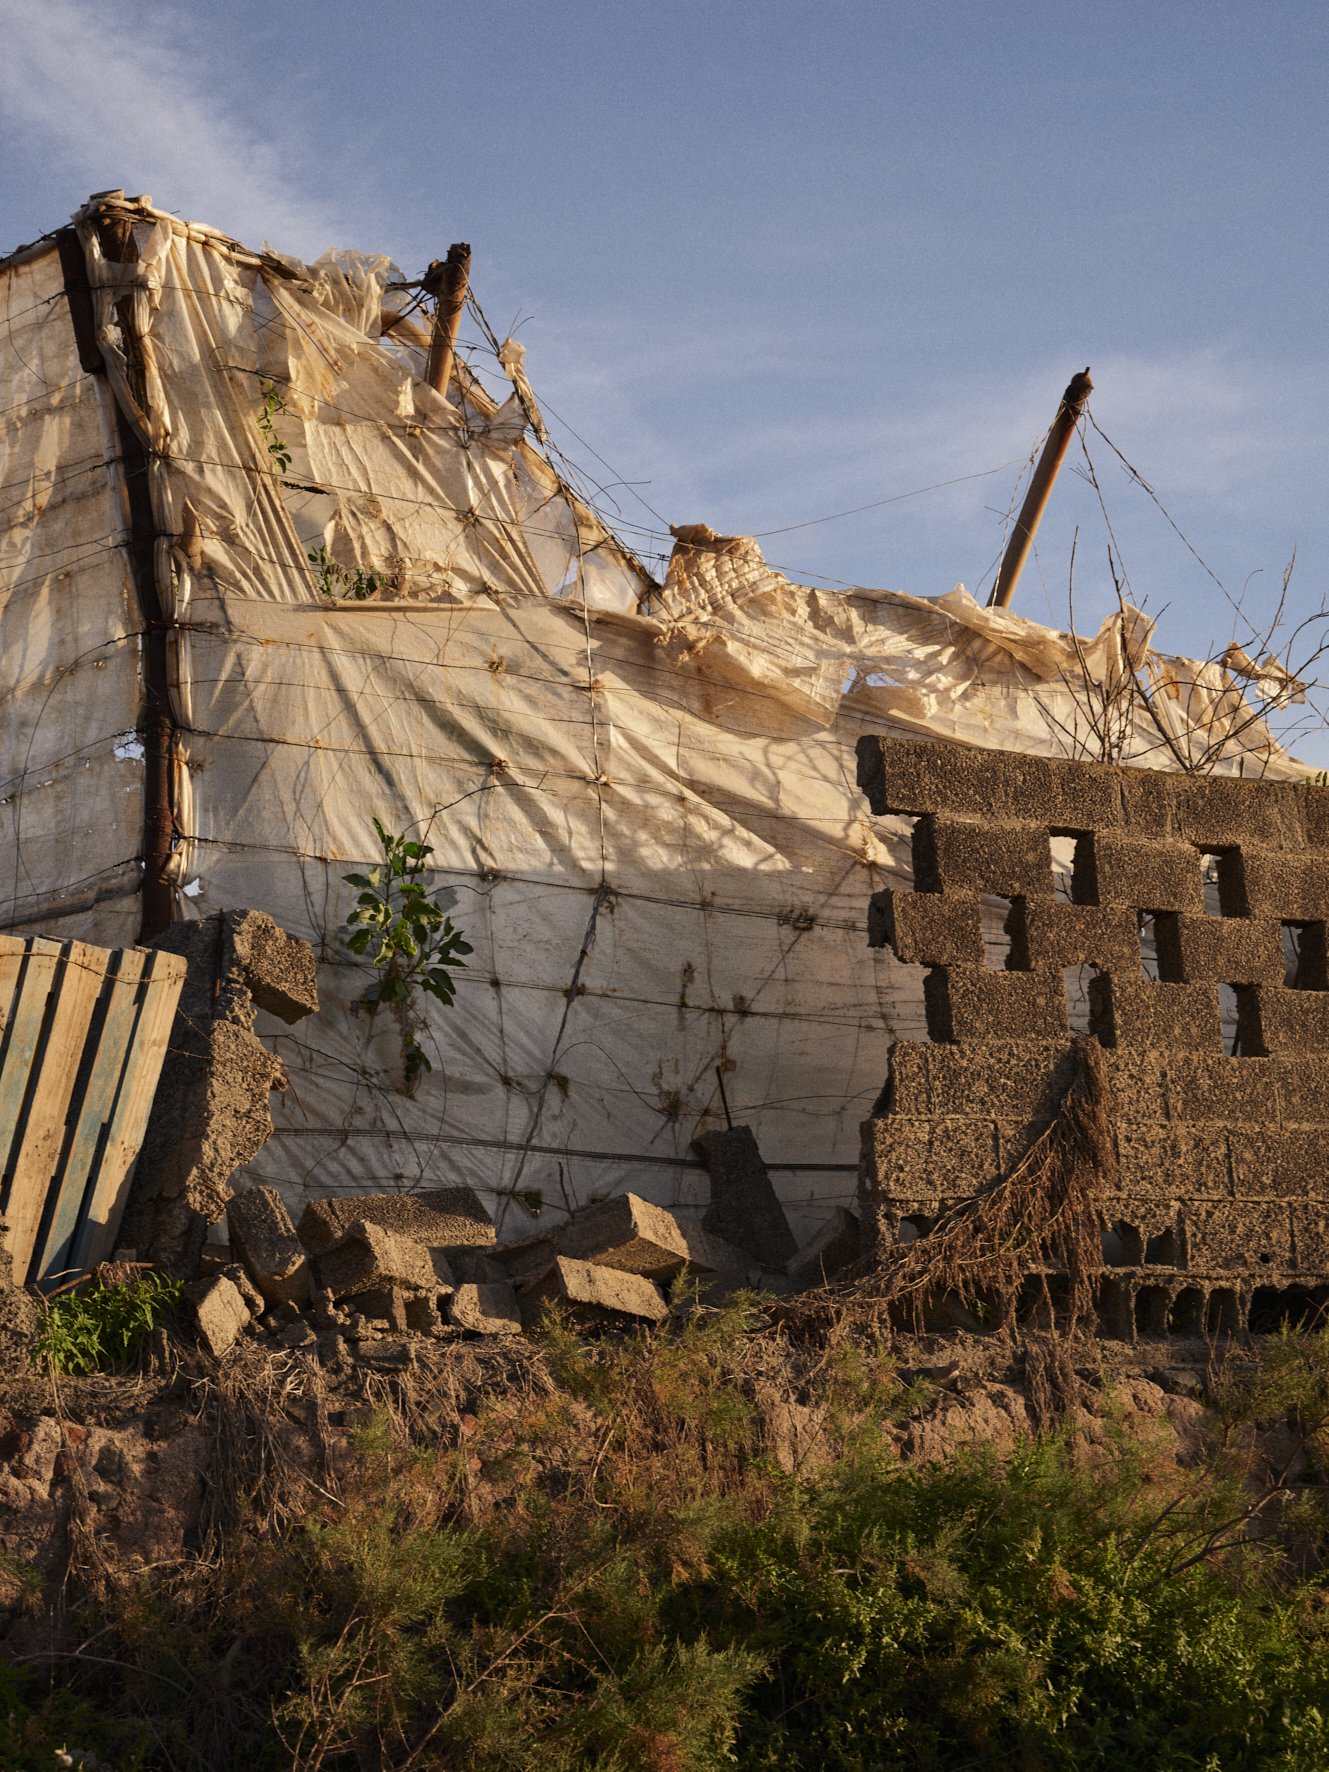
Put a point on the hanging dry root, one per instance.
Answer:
(1047, 1214)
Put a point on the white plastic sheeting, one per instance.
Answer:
(71, 801)
(641, 797)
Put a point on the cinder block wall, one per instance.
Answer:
(1180, 918)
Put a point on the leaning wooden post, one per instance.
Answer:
(448, 282)
(1040, 489)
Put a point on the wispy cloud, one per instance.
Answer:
(120, 95)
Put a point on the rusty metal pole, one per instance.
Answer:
(116, 231)
(448, 282)
(1040, 489)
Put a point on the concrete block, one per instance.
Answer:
(218, 1311)
(466, 1266)
(1148, 803)
(1310, 1236)
(979, 1080)
(1148, 875)
(1292, 888)
(1061, 935)
(919, 776)
(1012, 861)
(1156, 1017)
(1231, 950)
(592, 1292)
(1294, 1021)
(744, 1209)
(1138, 1221)
(210, 1115)
(927, 928)
(1173, 1162)
(525, 1256)
(1208, 1088)
(443, 1262)
(1279, 1162)
(975, 1003)
(1138, 1085)
(487, 1308)
(1300, 1086)
(439, 1218)
(369, 1256)
(381, 1304)
(423, 1316)
(235, 1273)
(833, 1247)
(1214, 811)
(278, 968)
(1315, 811)
(926, 1159)
(264, 1238)
(1242, 1236)
(636, 1237)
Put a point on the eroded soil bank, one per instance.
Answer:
(709, 1544)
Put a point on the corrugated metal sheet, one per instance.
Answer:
(83, 1033)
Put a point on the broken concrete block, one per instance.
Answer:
(716, 1289)
(327, 1313)
(469, 1266)
(264, 1238)
(446, 1269)
(487, 1308)
(388, 1356)
(436, 1217)
(523, 1259)
(834, 1246)
(236, 1274)
(210, 1114)
(219, 1312)
(422, 1313)
(19, 1325)
(744, 1209)
(636, 1237)
(382, 1304)
(369, 1256)
(278, 968)
(592, 1291)
(296, 1334)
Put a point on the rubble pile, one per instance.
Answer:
(360, 1275)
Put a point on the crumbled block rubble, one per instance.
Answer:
(210, 1115)
(362, 1275)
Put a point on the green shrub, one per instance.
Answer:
(104, 1327)
(606, 1570)
(40, 1719)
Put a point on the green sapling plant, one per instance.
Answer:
(404, 931)
(335, 581)
(99, 1328)
(274, 403)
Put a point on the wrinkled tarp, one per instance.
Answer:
(641, 798)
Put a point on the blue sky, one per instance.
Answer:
(776, 261)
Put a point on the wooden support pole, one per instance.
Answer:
(1040, 489)
(447, 281)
